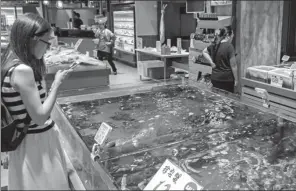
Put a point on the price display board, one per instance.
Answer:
(171, 177)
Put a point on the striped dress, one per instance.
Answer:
(38, 163)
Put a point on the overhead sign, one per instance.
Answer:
(195, 6)
(171, 177)
(77, 44)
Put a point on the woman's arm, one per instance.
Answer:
(207, 56)
(233, 64)
(234, 69)
(24, 82)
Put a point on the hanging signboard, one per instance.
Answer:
(171, 177)
(195, 6)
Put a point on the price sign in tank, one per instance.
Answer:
(171, 177)
(103, 133)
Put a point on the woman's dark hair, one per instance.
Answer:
(23, 30)
(224, 32)
(76, 14)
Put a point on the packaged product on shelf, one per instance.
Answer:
(259, 73)
(282, 78)
(169, 42)
(158, 46)
(179, 45)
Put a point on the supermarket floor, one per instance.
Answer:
(4, 178)
(125, 75)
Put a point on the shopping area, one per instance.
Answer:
(170, 128)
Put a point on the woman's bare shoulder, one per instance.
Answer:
(23, 68)
(23, 74)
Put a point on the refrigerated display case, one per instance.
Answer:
(123, 22)
(218, 141)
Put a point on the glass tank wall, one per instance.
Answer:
(221, 143)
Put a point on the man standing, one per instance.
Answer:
(77, 22)
(105, 40)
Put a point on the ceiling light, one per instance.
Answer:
(46, 2)
(59, 4)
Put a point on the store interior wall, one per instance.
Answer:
(178, 24)
(31, 9)
(59, 16)
(146, 22)
(146, 18)
(87, 16)
(261, 30)
(222, 10)
(285, 28)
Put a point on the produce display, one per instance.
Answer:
(67, 55)
(221, 143)
(61, 55)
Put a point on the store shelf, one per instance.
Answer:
(123, 21)
(125, 43)
(122, 50)
(124, 35)
(123, 12)
(281, 100)
(118, 28)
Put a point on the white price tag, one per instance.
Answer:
(285, 58)
(171, 177)
(139, 43)
(277, 81)
(102, 133)
(293, 66)
(77, 44)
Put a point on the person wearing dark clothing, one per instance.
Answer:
(221, 55)
(105, 40)
(77, 22)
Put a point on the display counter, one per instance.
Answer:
(272, 88)
(220, 142)
(90, 73)
(87, 45)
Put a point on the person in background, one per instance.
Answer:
(105, 40)
(77, 22)
(221, 56)
(38, 163)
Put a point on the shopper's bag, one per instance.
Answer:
(10, 137)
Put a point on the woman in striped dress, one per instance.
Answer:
(38, 163)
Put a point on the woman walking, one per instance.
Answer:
(105, 40)
(38, 163)
(221, 56)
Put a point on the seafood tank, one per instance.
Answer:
(219, 142)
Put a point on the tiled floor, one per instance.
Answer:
(4, 178)
(125, 75)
